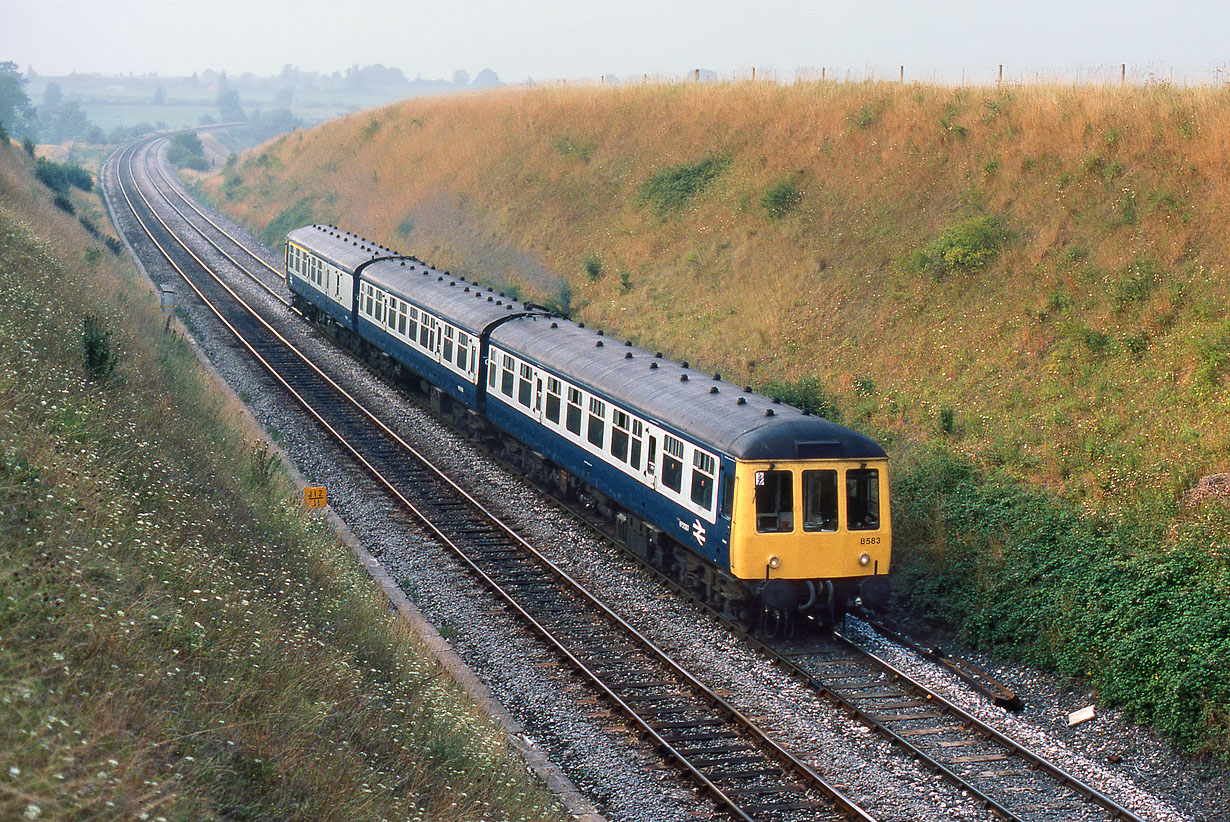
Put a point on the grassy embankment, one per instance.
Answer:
(1021, 291)
(177, 639)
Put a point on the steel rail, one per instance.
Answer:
(846, 805)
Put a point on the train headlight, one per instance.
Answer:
(864, 560)
(775, 561)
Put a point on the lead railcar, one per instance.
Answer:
(761, 509)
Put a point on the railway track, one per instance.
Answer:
(703, 736)
(723, 752)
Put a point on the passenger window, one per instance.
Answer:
(863, 499)
(619, 435)
(553, 400)
(774, 501)
(401, 320)
(702, 479)
(492, 368)
(413, 332)
(672, 463)
(463, 350)
(506, 379)
(573, 422)
(819, 500)
(425, 332)
(525, 390)
(634, 455)
(448, 343)
(597, 421)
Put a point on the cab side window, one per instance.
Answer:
(863, 499)
(774, 501)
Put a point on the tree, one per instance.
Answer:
(486, 79)
(228, 104)
(160, 96)
(14, 103)
(53, 95)
(461, 77)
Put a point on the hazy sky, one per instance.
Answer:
(549, 39)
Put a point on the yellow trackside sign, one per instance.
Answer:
(314, 497)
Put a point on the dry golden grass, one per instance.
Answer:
(1060, 360)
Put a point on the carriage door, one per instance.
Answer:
(538, 399)
(651, 461)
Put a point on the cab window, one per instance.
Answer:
(819, 500)
(863, 499)
(774, 501)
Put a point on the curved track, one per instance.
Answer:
(737, 764)
(696, 729)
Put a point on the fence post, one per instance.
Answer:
(1122, 73)
(1000, 81)
(903, 74)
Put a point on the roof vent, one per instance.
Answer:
(741, 401)
(490, 298)
(601, 333)
(747, 389)
(713, 389)
(658, 356)
(452, 283)
(555, 325)
(628, 343)
(683, 378)
(412, 268)
(628, 356)
(684, 363)
(467, 290)
(653, 365)
(501, 293)
(499, 302)
(717, 375)
(508, 307)
(403, 263)
(598, 344)
(439, 279)
(446, 274)
(777, 400)
(580, 325)
(768, 412)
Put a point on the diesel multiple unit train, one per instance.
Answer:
(766, 512)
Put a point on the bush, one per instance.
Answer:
(592, 264)
(781, 198)
(28, 145)
(64, 204)
(670, 189)
(100, 359)
(186, 151)
(59, 176)
(4, 136)
(808, 393)
(1142, 612)
(113, 245)
(965, 247)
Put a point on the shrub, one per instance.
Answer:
(575, 148)
(100, 358)
(28, 145)
(64, 204)
(781, 198)
(965, 247)
(59, 176)
(4, 136)
(670, 189)
(113, 245)
(187, 151)
(807, 393)
(947, 421)
(592, 264)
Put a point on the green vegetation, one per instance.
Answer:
(180, 640)
(781, 198)
(670, 189)
(304, 212)
(592, 264)
(569, 147)
(59, 176)
(186, 151)
(1018, 570)
(808, 393)
(967, 246)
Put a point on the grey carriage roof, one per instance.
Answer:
(701, 406)
(592, 360)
